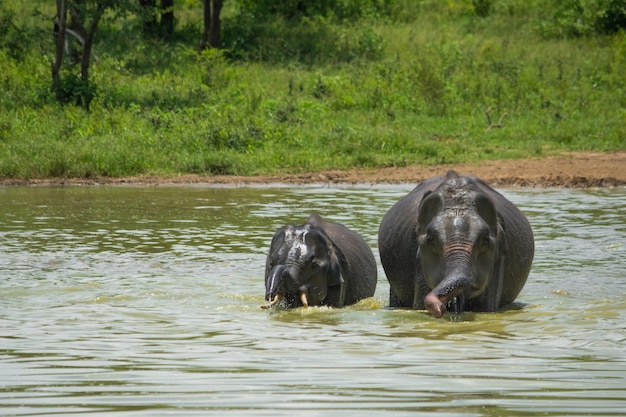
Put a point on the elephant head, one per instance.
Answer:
(301, 265)
(458, 245)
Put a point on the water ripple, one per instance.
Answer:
(146, 301)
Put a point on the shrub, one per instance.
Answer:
(77, 90)
(13, 39)
(613, 16)
(341, 10)
(575, 18)
(312, 41)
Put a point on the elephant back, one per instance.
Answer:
(356, 259)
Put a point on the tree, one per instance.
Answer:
(167, 17)
(148, 16)
(85, 18)
(212, 24)
(75, 39)
(59, 35)
(149, 12)
(85, 15)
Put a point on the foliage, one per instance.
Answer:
(314, 40)
(341, 10)
(408, 86)
(482, 7)
(14, 38)
(74, 89)
(586, 18)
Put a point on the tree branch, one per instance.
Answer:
(491, 124)
(60, 28)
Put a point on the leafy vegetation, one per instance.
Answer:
(339, 84)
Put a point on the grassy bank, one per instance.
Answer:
(415, 90)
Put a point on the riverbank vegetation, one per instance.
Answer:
(350, 83)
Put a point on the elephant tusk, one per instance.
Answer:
(272, 302)
(303, 299)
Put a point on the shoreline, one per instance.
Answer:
(569, 170)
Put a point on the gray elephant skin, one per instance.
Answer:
(319, 263)
(454, 243)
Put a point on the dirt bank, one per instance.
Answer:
(572, 170)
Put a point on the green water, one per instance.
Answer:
(145, 301)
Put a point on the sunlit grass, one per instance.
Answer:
(162, 108)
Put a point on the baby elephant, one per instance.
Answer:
(454, 242)
(318, 263)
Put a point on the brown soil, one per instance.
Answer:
(572, 170)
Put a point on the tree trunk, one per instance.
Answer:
(148, 17)
(206, 22)
(167, 17)
(87, 47)
(216, 24)
(59, 31)
(212, 24)
(89, 34)
(76, 28)
(82, 26)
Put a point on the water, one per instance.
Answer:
(145, 301)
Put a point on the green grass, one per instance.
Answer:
(391, 93)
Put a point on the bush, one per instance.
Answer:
(312, 41)
(75, 89)
(482, 7)
(613, 16)
(13, 39)
(340, 10)
(576, 18)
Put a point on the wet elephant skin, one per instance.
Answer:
(455, 243)
(319, 263)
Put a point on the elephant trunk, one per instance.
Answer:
(273, 283)
(275, 286)
(457, 279)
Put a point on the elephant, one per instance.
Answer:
(318, 263)
(454, 243)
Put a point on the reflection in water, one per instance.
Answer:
(146, 300)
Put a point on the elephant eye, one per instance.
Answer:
(425, 239)
(431, 239)
(273, 261)
(314, 263)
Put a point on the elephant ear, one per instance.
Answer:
(316, 220)
(334, 272)
(275, 248)
(452, 175)
(336, 280)
(431, 204)
(487, 210)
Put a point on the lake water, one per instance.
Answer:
(131, 301)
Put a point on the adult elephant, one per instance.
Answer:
(319, 263)
(454, 242)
